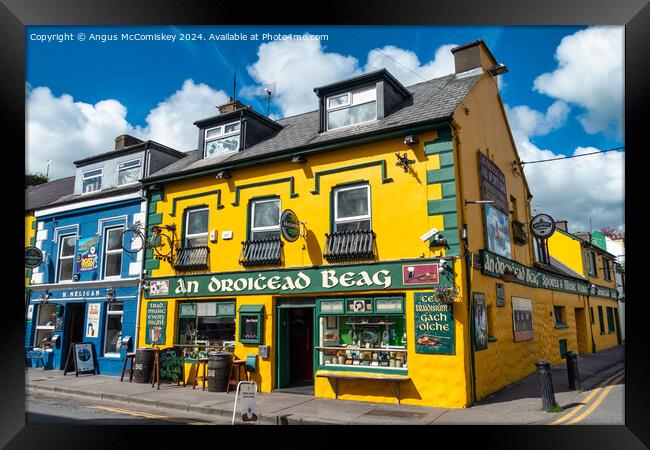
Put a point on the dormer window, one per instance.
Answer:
(352, 107)
(92, 181)
(222, 139)
(128, 172)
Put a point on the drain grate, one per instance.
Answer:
(390, 413)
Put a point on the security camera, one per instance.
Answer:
(429, 234)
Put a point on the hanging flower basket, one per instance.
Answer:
(446, 295)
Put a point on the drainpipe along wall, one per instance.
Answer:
(468, 263)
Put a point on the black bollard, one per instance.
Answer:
(546, 382)
(572, 370)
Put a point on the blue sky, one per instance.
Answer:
(558, 99)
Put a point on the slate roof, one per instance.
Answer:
(71, 197)
(41, 195)
(432, 101)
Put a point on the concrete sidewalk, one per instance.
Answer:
(518, 403)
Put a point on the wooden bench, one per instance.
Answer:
(395, 379)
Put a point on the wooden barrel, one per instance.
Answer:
(143, 365)
(218, 371)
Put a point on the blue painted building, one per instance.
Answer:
(87, 288)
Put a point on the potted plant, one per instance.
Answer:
(446, 295)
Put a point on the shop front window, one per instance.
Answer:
(205, 326)
(368, 333)
(114, 313)
(45, 325)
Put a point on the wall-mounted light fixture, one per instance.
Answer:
(497, 69)
(592, 289)
(76, 277)
(223, 174)
(439, 241)
(299, 159)
(45, 296)
(411, 139)
(110, 294)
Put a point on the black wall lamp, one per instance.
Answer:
(299, 159)
(45, 296)
(110, 294)
(497, 69)
(223, 174)
(411, 139)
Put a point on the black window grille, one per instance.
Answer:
(192, 258)
(349, 245)
(263, 252)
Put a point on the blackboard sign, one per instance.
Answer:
(171, 365)
(83, 356)
(250, 327)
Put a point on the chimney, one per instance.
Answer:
(125, 140)
(473, 55)
(562, 225)
(230, 106)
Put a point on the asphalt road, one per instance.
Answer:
(46, 409)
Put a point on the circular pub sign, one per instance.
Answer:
(33, 257)
(542, 226)
(289, 225)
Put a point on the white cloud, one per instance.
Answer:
(171, 122)
(578, 189)
(529, 122)
(64, 130)
(296, 67)
(590, 75)
(402, 63)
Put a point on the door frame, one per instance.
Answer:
(282, 360)
(70, 308)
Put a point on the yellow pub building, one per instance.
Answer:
(376, 249)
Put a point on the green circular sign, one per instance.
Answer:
(289, 225)
(33, 257)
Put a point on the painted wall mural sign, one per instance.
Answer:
(480, 322)
(87, 254)
(434, 325)
(308, 280)
(92, 319)
(492, 183)
(495, 265)
(156, 321)
(497, 231)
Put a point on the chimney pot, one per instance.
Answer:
(230, 106)
(125, 140)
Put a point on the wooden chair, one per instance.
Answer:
(130, 357)
(203, 363)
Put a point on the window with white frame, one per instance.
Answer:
(221, 139)
(351, 107)
(128, 172)
(92, 181)
(113, 252)
(113, 333)
(265, 219)
(45, 325)
(65, 267)
(352, 208)
(196, 227)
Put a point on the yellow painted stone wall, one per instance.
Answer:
(606, 339)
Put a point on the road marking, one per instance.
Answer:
(142, 414)
(596, 403)
(586, 401)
